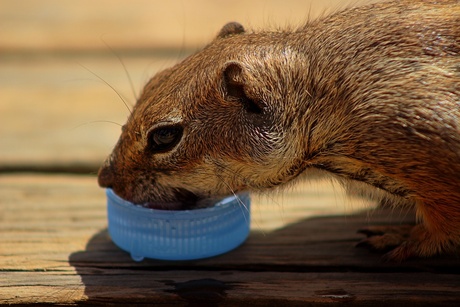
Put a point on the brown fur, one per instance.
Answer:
(370, 95)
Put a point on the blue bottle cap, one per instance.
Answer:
(178, 235)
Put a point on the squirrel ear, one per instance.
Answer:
(234, 80)
(231, 28)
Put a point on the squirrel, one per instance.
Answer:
(369, 95)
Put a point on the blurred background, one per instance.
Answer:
(62, 73)
(56, 110)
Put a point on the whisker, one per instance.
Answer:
(263, 192)
(242, 204)
(109, 85)
(268, 194)
(95, 122)
(130, 80)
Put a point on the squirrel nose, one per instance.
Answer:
(106, 175)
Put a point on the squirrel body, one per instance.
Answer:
(370, 95)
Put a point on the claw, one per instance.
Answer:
(369, 232)
(383, 243)
(384, 238)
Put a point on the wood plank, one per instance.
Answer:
(51, 104)
(54, 248)
(54, 245)
(57, 214)
(56, 113)
(230, 288)
(63, 25)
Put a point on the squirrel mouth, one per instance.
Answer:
(183, 200)
(178, 205)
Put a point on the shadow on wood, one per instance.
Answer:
(313, 261)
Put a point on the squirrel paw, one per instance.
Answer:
(404, 242)
(384, 238)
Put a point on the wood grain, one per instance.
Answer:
(54, 248)
(232, 288)
(53, 25)
(61, 109)
(57, 115)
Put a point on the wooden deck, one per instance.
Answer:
(59, 121)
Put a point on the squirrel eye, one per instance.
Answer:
(164, 138)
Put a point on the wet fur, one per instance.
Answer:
(368, 95)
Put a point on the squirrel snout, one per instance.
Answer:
(105, 176)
